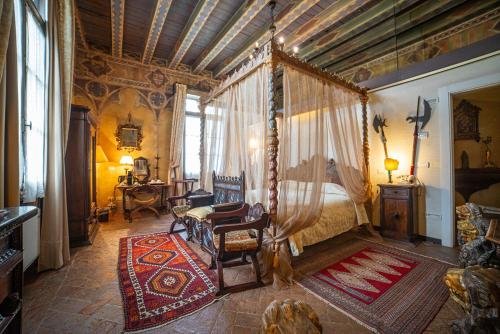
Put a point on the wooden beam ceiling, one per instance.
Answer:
(117, 17)
(331, 16)
(218, 35)
(238, 22)
(159, 16)
(284, 20)
(196, 22)
(80, 30)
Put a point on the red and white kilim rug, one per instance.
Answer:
(385, 289)
(161, 280)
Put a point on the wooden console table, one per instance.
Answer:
(470, 180)
(11, 267)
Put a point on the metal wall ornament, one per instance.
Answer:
(129, 136)
(466, 121)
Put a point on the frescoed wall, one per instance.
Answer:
(114, 88)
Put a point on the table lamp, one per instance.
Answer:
(390, 165)
(126, 160)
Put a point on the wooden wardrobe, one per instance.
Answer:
(81, 177)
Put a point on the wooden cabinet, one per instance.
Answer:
(81, 177)
(398, 211)
(11, 267)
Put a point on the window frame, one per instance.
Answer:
(28, 7)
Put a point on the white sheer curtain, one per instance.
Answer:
(346, 136)
(177, 136)
(235, 134)
(320, 121)
(34, 148)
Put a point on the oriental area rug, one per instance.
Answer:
(161, 280)
(385, 289)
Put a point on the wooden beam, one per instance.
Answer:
(366, 20)
(196, 21)
(285, 19)
(117, 18)
(246, 13)
(332, 15)
(160, 14)
(80, 31)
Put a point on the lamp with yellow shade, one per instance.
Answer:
(390, 165)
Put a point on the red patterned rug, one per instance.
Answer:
(385, 289)
(161, 280)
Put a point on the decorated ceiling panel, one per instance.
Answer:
(360, 39)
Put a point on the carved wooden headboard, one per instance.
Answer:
(304, 171)
(228, 189)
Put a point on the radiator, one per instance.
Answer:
(31, 241)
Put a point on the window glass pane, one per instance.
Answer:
(34, 140)
(192, 103)
(192, 147)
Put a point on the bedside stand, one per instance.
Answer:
(398, 210)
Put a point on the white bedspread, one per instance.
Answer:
(338, 216)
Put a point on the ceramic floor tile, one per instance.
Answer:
(84, 296)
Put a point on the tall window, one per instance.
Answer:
(192, 130)
(35, 106)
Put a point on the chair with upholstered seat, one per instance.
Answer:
(233, 242)
(189, 200)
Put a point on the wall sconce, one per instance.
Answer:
(390, 165)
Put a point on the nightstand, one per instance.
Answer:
(398, 210)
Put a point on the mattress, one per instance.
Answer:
(337, 216)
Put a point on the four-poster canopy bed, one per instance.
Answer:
(320, 119)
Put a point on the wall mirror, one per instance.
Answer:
(129, 136)
(141, 169)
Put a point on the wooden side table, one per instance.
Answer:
(398, 210)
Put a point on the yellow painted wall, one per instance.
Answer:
(114, 112)
(489, 125)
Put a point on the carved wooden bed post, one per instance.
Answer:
(203, 105)
(273, 142)
(363, 97)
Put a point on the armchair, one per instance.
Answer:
(233, 243)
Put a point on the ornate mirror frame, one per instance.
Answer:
(128, 133)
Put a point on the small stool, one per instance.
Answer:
(291, 317)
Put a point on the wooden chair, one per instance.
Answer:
(190, 200)
(233, 243)
(142, 197)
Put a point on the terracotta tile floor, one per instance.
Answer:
(84, 297)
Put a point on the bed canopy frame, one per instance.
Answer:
(271, 54)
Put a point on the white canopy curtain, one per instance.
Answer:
(320, 121)
(236, 132)
(177, 136)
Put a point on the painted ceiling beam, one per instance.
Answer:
(80, 31)
(364, 21)
(385, 31)
(196, 21)
(246, 13)
(435, 29)
(160, 14)
(117, 18)
(287, 16)
(331, 16)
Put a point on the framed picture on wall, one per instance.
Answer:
(129, 136)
